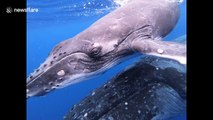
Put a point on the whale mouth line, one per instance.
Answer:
(56, 62)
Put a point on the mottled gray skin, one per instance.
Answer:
(128, 29)
(152, 89)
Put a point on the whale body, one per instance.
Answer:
(152, 89)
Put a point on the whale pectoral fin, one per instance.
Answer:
(166, 49)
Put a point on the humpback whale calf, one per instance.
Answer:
(152, 89)
(135, 27)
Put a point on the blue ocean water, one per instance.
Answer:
(59, 20)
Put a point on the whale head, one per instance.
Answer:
(70, 62)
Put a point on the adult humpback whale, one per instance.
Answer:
(134, 27)
(152, 89)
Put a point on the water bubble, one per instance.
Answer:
(121, 2)
(175, 1)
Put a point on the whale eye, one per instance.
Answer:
(95, 52)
